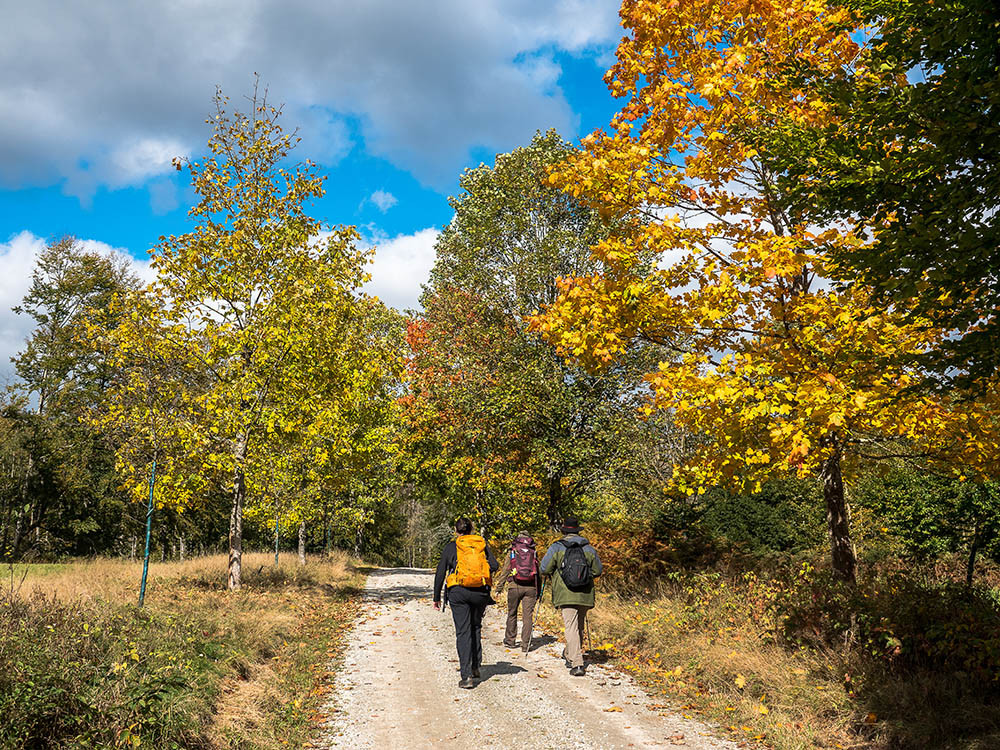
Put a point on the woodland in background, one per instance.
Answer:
(679, 250)
(747, 333)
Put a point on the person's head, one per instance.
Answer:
(571, 525)
(463, 526)
(523, 533)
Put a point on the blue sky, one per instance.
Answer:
(393, 99)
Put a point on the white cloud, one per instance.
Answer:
(17, 260)
(105, 93)
(141, 267)
(383, 200)
(402, 265)
(133, 163)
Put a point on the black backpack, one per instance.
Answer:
(575, 570)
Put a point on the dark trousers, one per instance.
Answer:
(467, 609)
(526, 597)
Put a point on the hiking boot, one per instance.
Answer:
(475, 673)
(509, 645)
(578, 671)
(467, 683)
(569, 664)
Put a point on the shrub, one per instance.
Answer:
(905, 623)
(100, 674)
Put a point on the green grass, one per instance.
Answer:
(17, 571)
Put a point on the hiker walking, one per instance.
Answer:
(468, 564)
(573, 565)
(521, 570)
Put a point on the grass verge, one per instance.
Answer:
(198, 667)
(789, 659)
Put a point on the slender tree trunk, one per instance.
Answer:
(180, 543)
(236, 517)
(302, 542)
(277, 531)
(15, 543)
(838, 519)
(21, 526)
(555, 511)
(970, 566)
(326, 529)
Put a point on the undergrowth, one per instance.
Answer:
(780, 655)
(197, 667)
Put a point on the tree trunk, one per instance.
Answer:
(970, 566)
(838, 519)
(277, 532)
(236, 517)
(326, 530)
(555, 510)
(180, 542)
(23, 524)
(135, 543)
(302, 542)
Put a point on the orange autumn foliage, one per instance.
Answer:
(779, 369)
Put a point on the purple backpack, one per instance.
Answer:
(523, 559)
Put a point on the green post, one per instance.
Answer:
(149, 528)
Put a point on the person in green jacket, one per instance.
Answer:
(572, 564)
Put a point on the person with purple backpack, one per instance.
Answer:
(521, 570)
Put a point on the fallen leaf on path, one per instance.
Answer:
(613, 709)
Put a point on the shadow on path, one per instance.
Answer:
(538, 641)
(383, 572)
(400, 592)
(499, 669)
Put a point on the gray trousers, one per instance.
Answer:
(574, 620)
(526, 597)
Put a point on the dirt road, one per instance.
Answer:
(398, 687)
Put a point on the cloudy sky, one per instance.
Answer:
(392, 98)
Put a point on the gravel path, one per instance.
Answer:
(398, 688)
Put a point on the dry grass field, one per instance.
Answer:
(912, 665)
(197, 667)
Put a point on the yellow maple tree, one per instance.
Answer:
(778, 369)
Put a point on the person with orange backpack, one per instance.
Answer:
(466, 567)
(521, 569)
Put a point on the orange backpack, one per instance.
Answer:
(472, 570)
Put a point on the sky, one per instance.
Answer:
(392, 99)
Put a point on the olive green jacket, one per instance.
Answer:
(562, 596)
